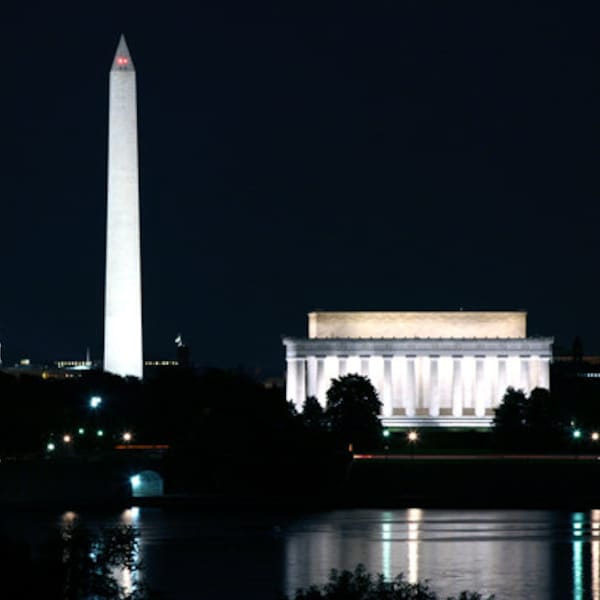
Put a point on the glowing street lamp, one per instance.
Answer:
(67, 439)
(576, 434)
(595, 436)
(95, 401)
(50, 447)
(81, 431)
(127, 436)
(386, 433)
(413, 438)
(100, 432)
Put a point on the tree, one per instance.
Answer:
(313, 415)
(362, 585)
(352, 410)
(510, 415)
(527, 421)
(75, 564)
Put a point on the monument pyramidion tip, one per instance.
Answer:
(122, 60)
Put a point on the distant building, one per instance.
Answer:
(430, 369)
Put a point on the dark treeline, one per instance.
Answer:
(224, 429)
(178, 408)
(225, 413)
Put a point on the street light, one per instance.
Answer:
(576, 433)
(50, 447)
(95, 401)
(413, 438)
(595, 436)
(67, 439)
(81, 431)
(127, 436)
(100, 433)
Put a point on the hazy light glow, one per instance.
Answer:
(412, 436)
(95, 401)
(100, 433)
(595, 436)
(50, 447)
(577, 433)
(135, 481)
(81, 431)
(127, 436)
(130, 515)
(67, 439)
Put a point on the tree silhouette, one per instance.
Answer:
(352, 411)
(313, 415)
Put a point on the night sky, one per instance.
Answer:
(293, 157)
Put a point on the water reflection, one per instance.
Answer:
(577, 521)
(386, 544)
(125, 577)
(414, 519)
(456, 550)
(595, 520)
(538, 555)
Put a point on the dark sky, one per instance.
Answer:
(342, 156)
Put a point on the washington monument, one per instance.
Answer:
(123, 294)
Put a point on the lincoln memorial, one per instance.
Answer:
(429, 368)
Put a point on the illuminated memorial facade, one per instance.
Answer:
(429, 368)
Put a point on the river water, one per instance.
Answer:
(516, 554)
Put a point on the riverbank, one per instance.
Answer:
(366, 481)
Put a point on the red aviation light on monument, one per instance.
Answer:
(122, 59)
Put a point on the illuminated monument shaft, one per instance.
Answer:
(123, 295)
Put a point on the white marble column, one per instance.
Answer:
(524, 373)
(311, 377)
(513, 372)
(364, 365)
(534, 372)
(353, 365)
(376, 373)
(410, 396)
(502, 380)
(398, 382)
(291, 381)
(343, 365)
(386, 395)
(332, 370)
(544, 373)
(434, 387)
(445, 383)
(491, 379)
(321, 383)
(468, 377)
(423, 385)
(479, 386)
(457, 386)
(296, 382)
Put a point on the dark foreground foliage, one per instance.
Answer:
(361, 585)
(75, 564)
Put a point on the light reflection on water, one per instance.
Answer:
(540, 555)
(124, 576)
(515, 554)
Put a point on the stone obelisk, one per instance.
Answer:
(123, 293)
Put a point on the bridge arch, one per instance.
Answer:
(146, 483)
